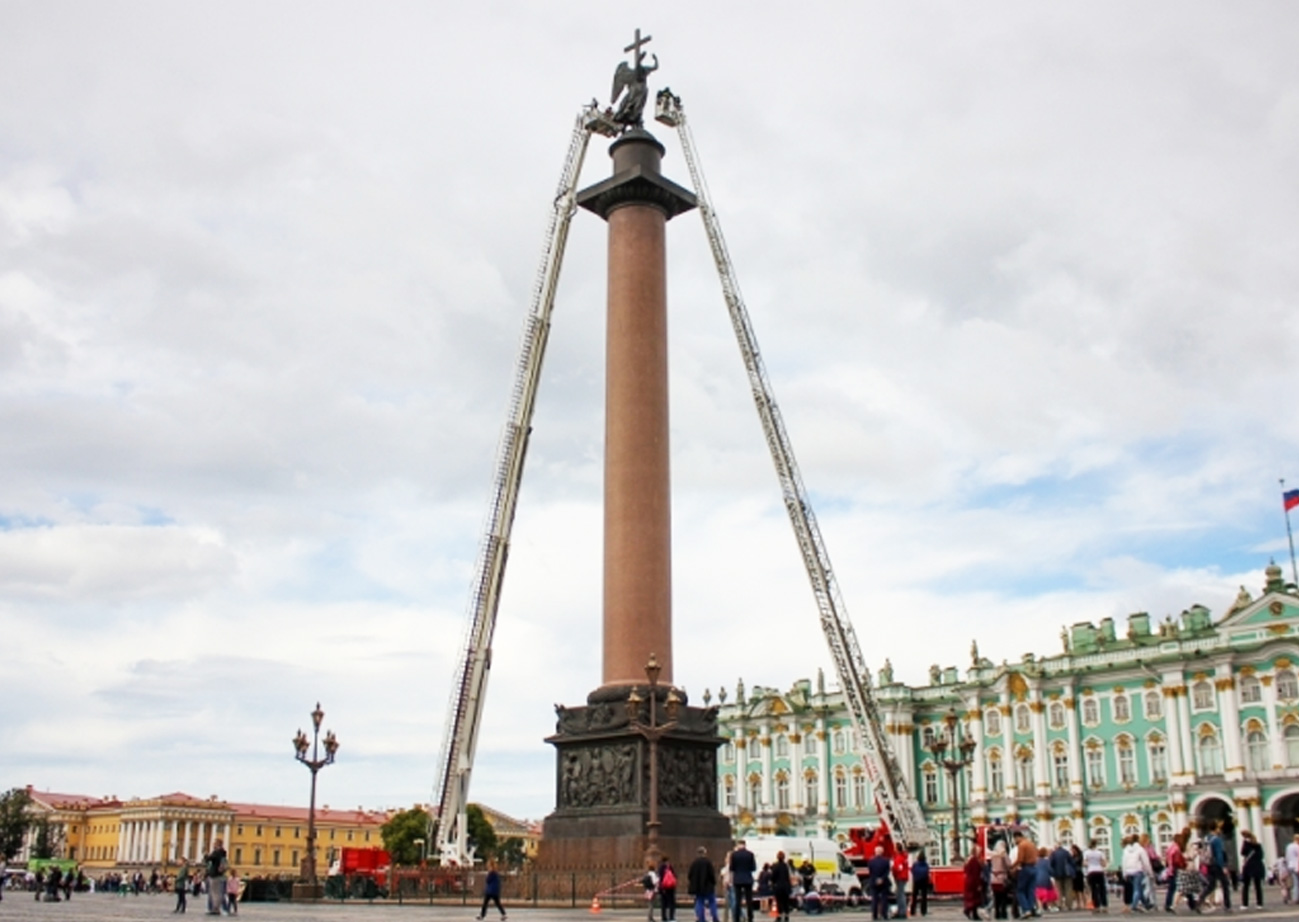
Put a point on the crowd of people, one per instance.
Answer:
(1025, 881)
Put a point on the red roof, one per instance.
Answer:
(299, 814)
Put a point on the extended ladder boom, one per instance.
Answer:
(470, 685)
(899, 809)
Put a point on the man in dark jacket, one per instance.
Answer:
(701, 880)
(879, 875)
(743, 867)
(1062, 869)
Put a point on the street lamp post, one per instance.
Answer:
(962, 754)
(314, 765)
(653, 732)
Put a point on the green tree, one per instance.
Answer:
(510, 852)
(401, 832)
(482, 837)
(14, 821)
(47, 839)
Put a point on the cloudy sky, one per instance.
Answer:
(1024, 276)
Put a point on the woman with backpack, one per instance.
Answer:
(667, 890)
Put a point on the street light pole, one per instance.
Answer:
(653, 732)
(314, 765)
(962, 749)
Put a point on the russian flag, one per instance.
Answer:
(1291, 499)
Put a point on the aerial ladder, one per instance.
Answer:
(469, 689)
(897, 806)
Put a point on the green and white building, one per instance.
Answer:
(1172, 724)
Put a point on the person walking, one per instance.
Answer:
(920, 884)
(1136, 868)
(743, 866)
(1174, 863)
(182, 885)
(215, 867)
(878, 872)
(901, 877)
(1217, 864)
(1094, 867)
(650, 884)
(1292, 865)
(667, 890)
(701, 883)
(232, 893)
(1061, 864)
(972, 892)
(1024, 864)
(492, 890)
(782, 885)
(1252, 869)
(999, 879)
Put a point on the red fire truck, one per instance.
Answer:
(946, 879)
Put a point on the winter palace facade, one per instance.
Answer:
(1174, 724)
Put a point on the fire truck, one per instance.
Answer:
(946, 880)
(359, 873)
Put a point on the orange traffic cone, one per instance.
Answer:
(595, 905)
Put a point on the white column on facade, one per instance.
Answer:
(1172, 727)
(128, 846)
(822, 768)
(1184, 722)
(1041, 752)
(142, 842)
(1076, 782)
(211, 836)
(1273, 725)
(1008, 774)
(741, 770)
(1233, 750)
(978, 774)
(796, 771)
(157, 840)
(764, 739)
(121, 842)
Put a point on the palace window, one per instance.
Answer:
(1023, 719)
(1287, 686)
(1091, 712)
(1060, 768)
(931, 784)
(239, 855)
(927, 737)
(992, 722)
(837, 742)
(840, 790)
(782, 791)
(782, 746)
(1158, 761)
(728, 791)
(859, 794)
(1064, 834)
(755, 792)
(1251, 690)
(1095, 767)
(1291, 737)
(997, 780)
(810, 797)
(297, 832)
(1122, 708)
(1210, 753)
(1202, 695)
(1154, 706)
(278, 830)
(1024, 770)
(728, 752)
(275, 857)
(295, 862)
(1057, 715)
(1256, 751)
(257, 857)
(1127, 762)
(852, 739)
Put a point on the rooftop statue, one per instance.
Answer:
(629, 83)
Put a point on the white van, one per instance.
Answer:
(832, 866)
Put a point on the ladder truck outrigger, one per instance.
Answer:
(900, 813)
(902, 822)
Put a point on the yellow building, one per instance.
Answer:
(105, 833)
(507, 827)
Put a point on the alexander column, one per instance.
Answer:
(612, 805)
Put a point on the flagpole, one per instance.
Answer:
(1294, 572)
